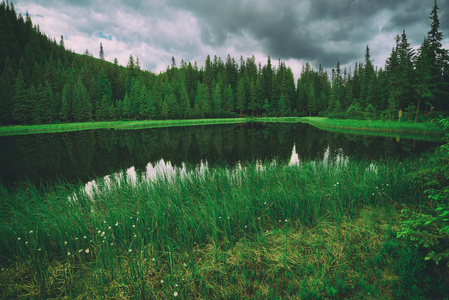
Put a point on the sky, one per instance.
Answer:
(295, 31)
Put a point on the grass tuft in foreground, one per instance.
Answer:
(308, 231)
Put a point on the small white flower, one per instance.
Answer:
(134, 226)
(130, 250)
(285, 220)
(39, 249)
(80, 250)
(87, 250)
(246, 226)
(228, 217)
(338, 182)
(102, 233)
(76, 238)
(135, 235)
(26, 242)
(162, 281)
(85, 237)
(112, 244)
(104, 222)
(175, 294)
(130, 217)
(31, 231)
(185, 265)
(153, 259)
(176, 285)
(65, 242)
(19, 238)
(91, 210)
(265, 203)
(68, 253)
(99, 231)
(109, 227)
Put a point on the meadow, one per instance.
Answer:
(262, 231)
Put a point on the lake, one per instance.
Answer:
(83, 155)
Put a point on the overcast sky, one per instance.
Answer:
(295, 31)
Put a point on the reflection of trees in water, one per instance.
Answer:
(78, 155)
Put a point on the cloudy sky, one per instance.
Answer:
(295, 31)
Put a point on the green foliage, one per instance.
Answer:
(430, 228)
(227, 88)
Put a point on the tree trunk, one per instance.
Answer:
(417, 110)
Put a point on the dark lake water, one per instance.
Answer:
(79, 156)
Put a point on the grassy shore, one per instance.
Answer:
(377, 127)
(384, 128)
(310, 231)
(124, 125)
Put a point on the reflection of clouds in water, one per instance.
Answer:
(294, 158)
(338, 159)
(166, 170)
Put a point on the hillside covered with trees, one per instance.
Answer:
(42, 82)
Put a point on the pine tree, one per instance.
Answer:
(81, 106)
(217, 99)
(66, 103)
(424, 85)
(241, 96)
(101, 52)
(368, 74)
(439, 63)
(229, 98)
(23, 104)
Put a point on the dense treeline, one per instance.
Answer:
(42, 82)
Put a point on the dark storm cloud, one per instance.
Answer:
(317, 30)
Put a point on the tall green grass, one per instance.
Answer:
(217, 233)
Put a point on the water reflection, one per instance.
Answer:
(79, 156)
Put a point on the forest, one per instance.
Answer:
(41, 82)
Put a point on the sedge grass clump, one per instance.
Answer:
(139, 239)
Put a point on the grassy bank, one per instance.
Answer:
(123, 125)
(308, 231)
(376, 127)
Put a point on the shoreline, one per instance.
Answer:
(347, 126)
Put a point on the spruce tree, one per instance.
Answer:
(439, 63)
(23, 104)
(101, 52)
